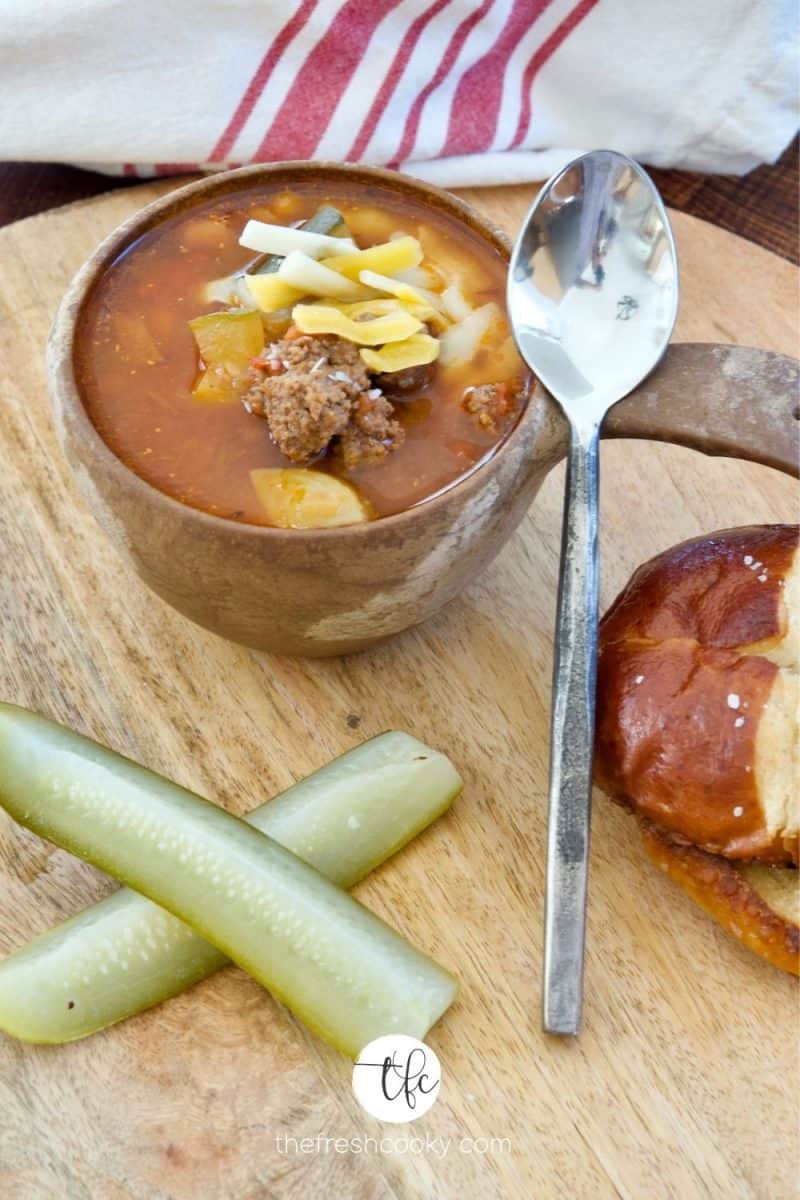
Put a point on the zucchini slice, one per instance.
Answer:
(337, 966)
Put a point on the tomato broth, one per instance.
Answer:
(137, 360)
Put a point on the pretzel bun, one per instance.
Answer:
(758, 905)
(697, 696)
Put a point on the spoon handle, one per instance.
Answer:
(572, 738)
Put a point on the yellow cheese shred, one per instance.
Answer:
(270, 293)
(417, 302)
(414, 351)
(387, 259)
(391, 326)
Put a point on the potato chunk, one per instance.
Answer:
(295, 498)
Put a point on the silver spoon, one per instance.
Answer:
(592, 297)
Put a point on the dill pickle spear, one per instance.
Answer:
(125, 954)
(344, 972)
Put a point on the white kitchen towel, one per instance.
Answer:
(454, 91)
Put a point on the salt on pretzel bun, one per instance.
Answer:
(698, 696)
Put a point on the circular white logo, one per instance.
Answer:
(396, 1078)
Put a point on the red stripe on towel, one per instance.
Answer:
(445, 64)
(260, 79)
(542, 55)
(393, 76)
(476, 104)
(312, 99)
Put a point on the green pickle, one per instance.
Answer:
(270, 903)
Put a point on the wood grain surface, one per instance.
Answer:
(682, 1082)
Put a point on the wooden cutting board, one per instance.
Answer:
(682, 1083)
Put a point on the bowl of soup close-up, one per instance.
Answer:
(302, 472)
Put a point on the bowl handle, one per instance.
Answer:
(723, 400)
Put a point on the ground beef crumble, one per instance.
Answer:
(316, 392)
(372, 429)
(490, 403)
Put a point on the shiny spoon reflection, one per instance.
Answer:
(592, 298)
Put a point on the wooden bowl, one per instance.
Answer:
(333, 591)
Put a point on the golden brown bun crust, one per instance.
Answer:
(718, 887)
(668, 746)
(706, 590)
(683, 684)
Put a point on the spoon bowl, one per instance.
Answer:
(592, 298)
(593, 282)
